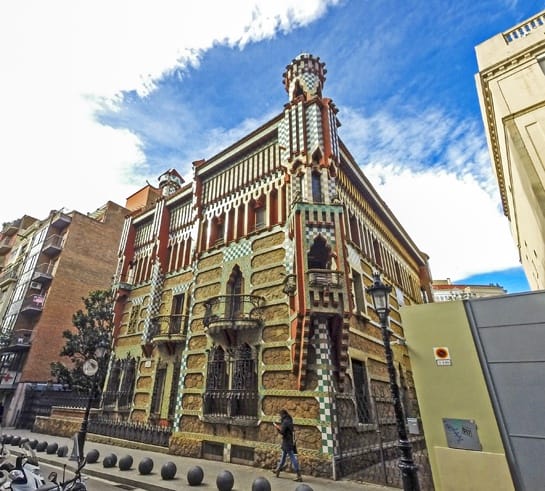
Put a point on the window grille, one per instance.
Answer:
(158, 389)
(127, 386)
(110, 395)
(361, 391)
(231, 384)
(174, 390)
(133, 319)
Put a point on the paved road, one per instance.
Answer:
(92, 483)
(131, 479)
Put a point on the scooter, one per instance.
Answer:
(5, 464)
(74, 484)
(25, 476)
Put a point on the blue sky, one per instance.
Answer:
(99, 97)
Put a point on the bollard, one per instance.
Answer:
(125, 463)
(261, 484)
(145, 466)
(225, 481)
(195, 475)
(168, 470)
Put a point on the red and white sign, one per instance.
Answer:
(7, 378)
(442, 356)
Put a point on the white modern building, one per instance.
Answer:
(511, 89)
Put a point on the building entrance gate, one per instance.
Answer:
(366, 445)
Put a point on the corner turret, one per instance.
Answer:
(304, 76)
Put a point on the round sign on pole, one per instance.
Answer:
(90, 367)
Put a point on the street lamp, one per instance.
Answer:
(90, 368)
(380, 293)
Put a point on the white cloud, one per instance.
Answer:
(451, 209)
(60, 59)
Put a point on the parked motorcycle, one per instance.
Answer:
(25, 475)
(74, 484)
(5, 464)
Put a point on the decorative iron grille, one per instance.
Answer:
(132, 431)
(231, 386)
(368, 451)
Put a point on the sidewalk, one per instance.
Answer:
(244, 476)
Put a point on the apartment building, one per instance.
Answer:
(511, 89)
(53, 264)
(446, 291)
(243, 292)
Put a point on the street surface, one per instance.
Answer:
(92, 483)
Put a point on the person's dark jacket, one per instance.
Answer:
(286, 430)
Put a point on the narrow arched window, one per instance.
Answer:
(234, 292)
(316, 188)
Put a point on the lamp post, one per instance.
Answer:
(380, 293)
(90, 368)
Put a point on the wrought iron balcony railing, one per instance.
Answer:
(19, 340)
(34, 303)
(169, 327)
(61, 220)
(43, 272)
(123, 282)
(11, 227)
(233, 312)
(53, 245)
(7, 276)
(5, 244)
(235, 406)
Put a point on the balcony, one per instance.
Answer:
(325, 278)
(43, 272)
(325, 289)
(5, 245)
(123, 282)
(11, 228)
(169, 331)
(233, 312)
(61, 220)
(19, 341)
(33, 304)
(53, 245)
(8, 276)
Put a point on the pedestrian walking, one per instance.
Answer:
(285, 428)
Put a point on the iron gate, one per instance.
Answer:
(367, 439)
(38, 401)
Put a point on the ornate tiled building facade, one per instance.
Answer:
(243, 292)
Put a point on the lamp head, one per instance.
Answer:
(380, 294)
(102, 349)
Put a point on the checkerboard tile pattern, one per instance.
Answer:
(327, 232)
(155, 293)
(289, 258)
(180, 393)
(237, 250)
(314, 128)
(326, 403)
(181, 288)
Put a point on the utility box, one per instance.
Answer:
(413, 426)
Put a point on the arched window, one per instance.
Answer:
(319, 254)
(235, 286)
(317, 196)
(260, 213)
